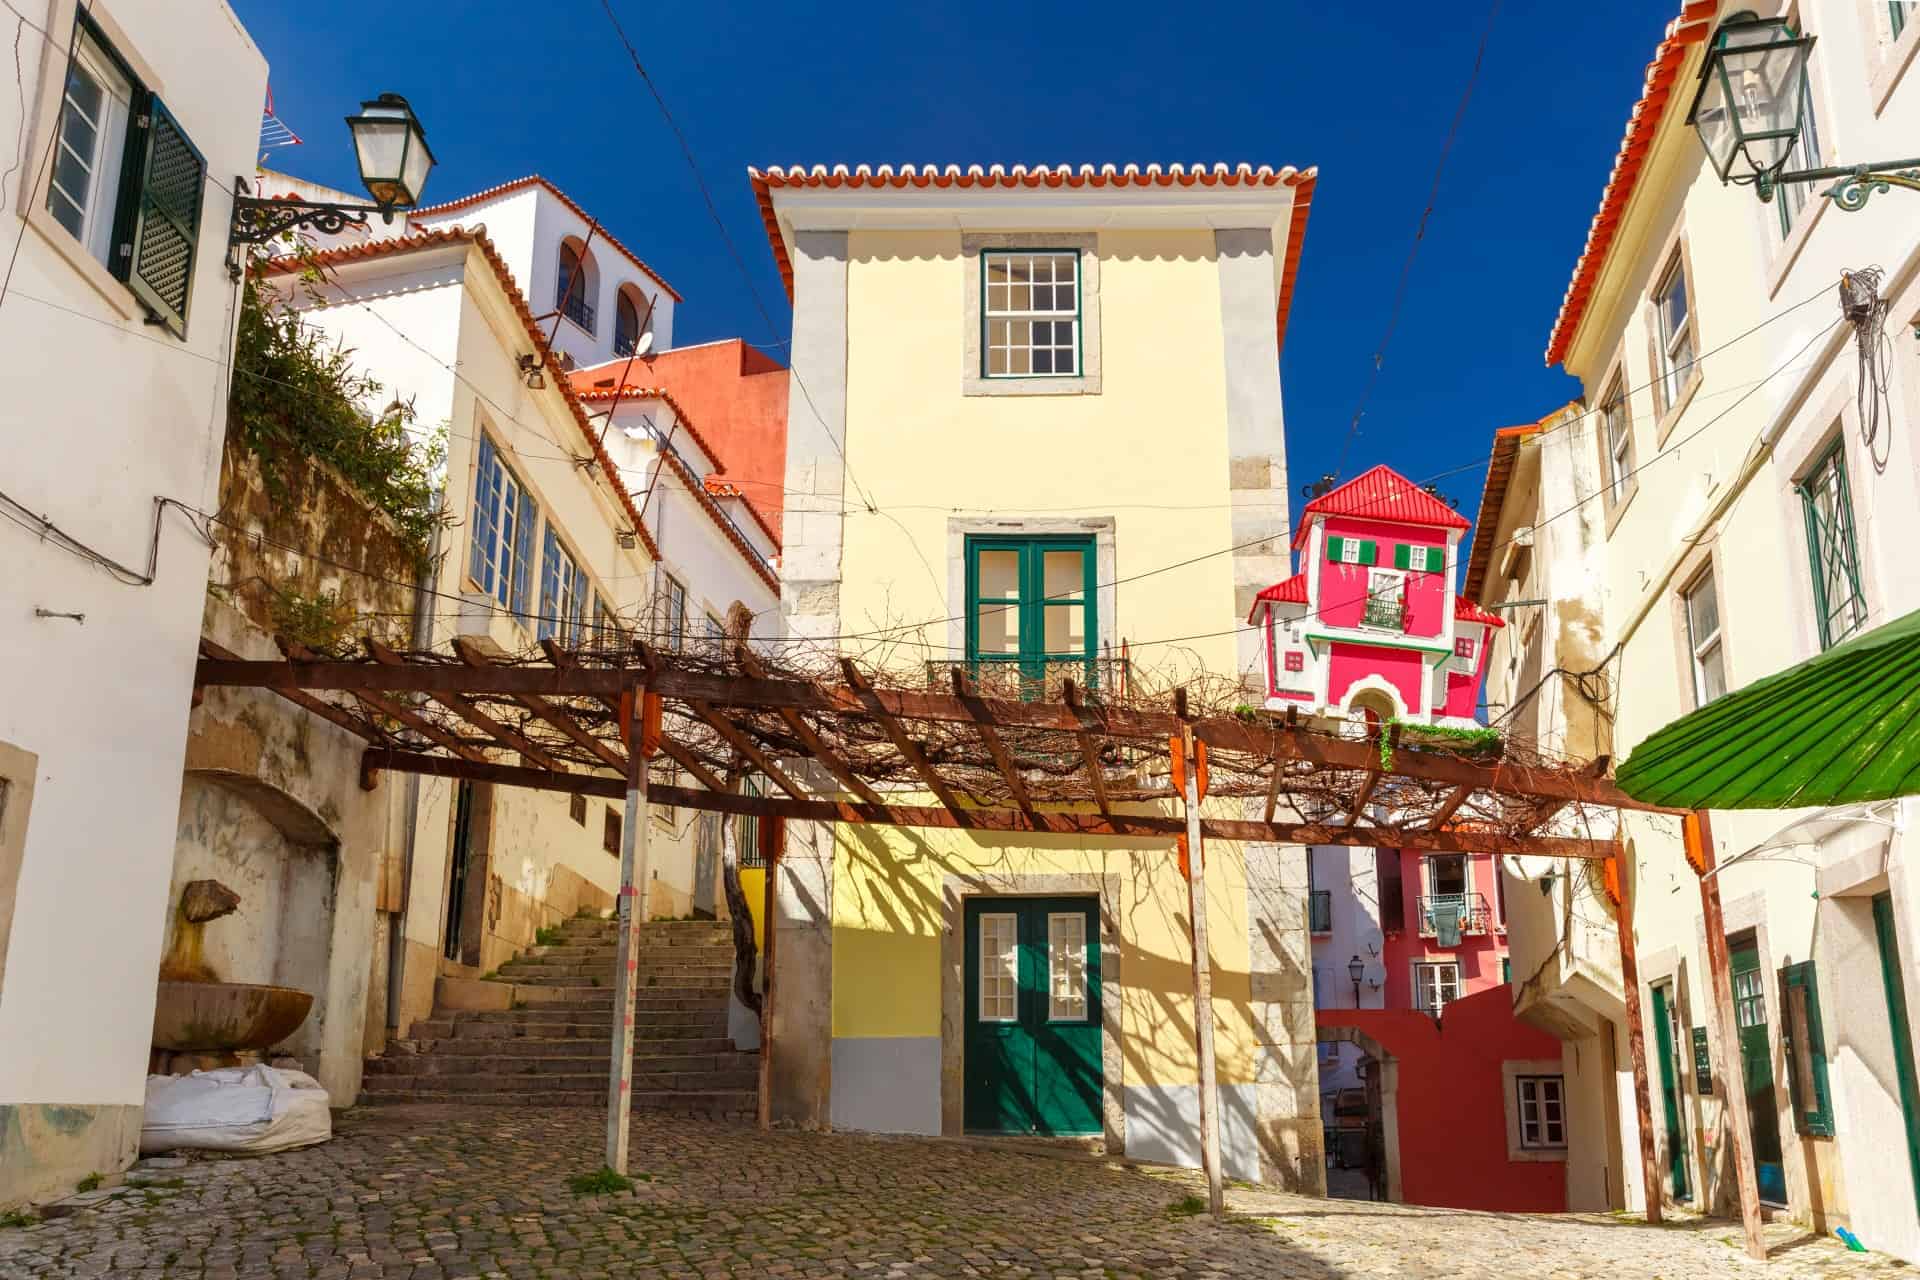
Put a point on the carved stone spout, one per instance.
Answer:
(200, 902)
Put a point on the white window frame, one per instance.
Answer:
(563, 609)
(1698, 648)
(1422, 970)
(98, 204)
(997, 308)
(499, 551)
(1616, 438)
(1075, 965)
(674, 615)
(1010, 966)
(1375, 575)
(1533, 1095)
(1669, 338)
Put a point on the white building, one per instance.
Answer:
(113, 396)
(1756, 501)
(569, 524)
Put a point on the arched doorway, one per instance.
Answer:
(1359, 1108)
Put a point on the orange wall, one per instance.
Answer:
(737, 398)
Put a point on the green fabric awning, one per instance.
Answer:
(1839, 728)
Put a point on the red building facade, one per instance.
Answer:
(1444, 926)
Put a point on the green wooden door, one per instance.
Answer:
(1033, 1016)
(1902, 1031)
(1664, 1041)
(1756, 1069)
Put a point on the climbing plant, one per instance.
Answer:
(1479, 738)
(296, 394)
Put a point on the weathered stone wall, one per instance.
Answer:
(273, 805)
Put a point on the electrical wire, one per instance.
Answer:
(1419, 235)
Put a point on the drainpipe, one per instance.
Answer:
(423, 598)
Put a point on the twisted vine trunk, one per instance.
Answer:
(745, 952)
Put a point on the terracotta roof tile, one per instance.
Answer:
(1465, 610)
(534, 179)
(1493, 495)
(1381, 494)
(1692, 27)
(1292, 591)
(1217, 175)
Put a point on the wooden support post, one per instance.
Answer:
(633, 868)
(1636, 1039)
(1202, 981)
(1697, 830)
(776, 837)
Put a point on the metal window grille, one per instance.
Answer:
(1840, 605)
(1031, 314)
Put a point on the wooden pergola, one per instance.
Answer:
(995, 748)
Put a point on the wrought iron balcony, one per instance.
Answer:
(578, 310)
(1036, 679)
(1320, 911)
(1384, 613)
(1469, 908)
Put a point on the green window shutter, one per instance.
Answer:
(165, 185)
(1403, 556)
(1368, 552)
(1334, 546)
(1812, 1100)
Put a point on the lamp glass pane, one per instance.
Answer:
(419, 161)
(1715, 122)
(379, 146)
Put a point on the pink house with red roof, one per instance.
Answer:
(1371, 624)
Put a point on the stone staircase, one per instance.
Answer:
(551, 1046)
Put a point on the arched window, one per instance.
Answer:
(632, 320)
(575, 286)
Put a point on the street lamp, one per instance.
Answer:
(1356, 969)
(391, 148)
(1750, 108)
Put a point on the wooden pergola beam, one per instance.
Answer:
(386, 659)
(909, 749)
(1449, 807)
(676, 751)
(1089, 752)
(731, 735)
(1267, 741)
(1144, 826)
(815, 745)
(990, 737)
(471, 655)
(394, 710)
(1362, 796)
(305, 701)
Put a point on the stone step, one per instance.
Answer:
(647, 957)
(493, 1032)
(536, 1087)
(655, 995)
(593, 1045)
(722, 1103)
(647, 981)
(647, 1007)
(515, 1064)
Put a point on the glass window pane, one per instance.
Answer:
(1066, 629)
(1018, 361)
(1713, 674)
(1065, 574)
(999, 969)
(999, 629)
(997, 270)
(999, 572)
(1067, 965)
(1703, 611)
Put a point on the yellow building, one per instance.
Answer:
(1035, 425)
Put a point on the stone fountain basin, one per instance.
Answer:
(205, 1017)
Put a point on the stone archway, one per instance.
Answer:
(1386, 1068)
(281, 858)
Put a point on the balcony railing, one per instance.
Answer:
(1320, 911)
(1470, 909)
(1036, 679)
(578, 310)
(1384, 613)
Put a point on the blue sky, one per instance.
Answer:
(1363, 91)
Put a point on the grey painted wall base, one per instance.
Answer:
(46, 1148)
(743, 1024)
(887, 1084)
(1163, 1126)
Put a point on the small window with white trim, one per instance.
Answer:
(1543, 1111)
(1030, 312)
(91, 146)
(1066, 966)
(999, 968)
(1704, 642)
(1435, 985)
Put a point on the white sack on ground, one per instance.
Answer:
(257, 1109)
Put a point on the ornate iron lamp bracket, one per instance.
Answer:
(256, 221)
(1856, 182)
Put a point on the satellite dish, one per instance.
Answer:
(645, 344)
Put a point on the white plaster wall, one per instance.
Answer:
(1351, 877)
(103, 703)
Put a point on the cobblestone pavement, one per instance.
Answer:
(440, 1191)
